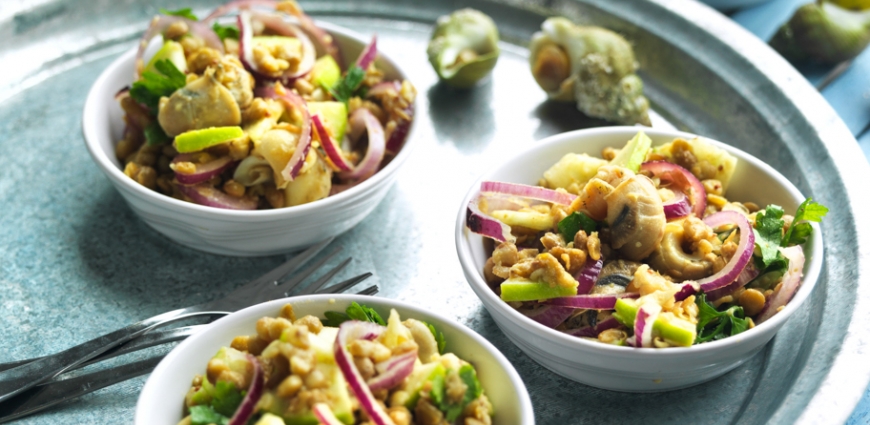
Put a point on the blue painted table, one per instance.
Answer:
(848, 91)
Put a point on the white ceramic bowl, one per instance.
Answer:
(625, 368)
(162, 398)
(228, 232)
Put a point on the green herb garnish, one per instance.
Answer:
(205, 415)
(768, 233)
(226, 398)
(800, 228)
(335, 318)
(364, 313)
(154, 85)
(439, 338)
(569, 226)
(438, 392)
(714, 324)
(154, 134)
(348, 84)
(355, 311)
(225, 31)
(184, 13)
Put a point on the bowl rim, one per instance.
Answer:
(812, 269)
(92, 121)
(526, 408)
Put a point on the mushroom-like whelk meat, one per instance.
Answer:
(590, 65)
(636, 217)
(670, 258)
(202, 103)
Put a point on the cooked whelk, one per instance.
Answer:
(670, 258)
(636, 217)
(590, 65)
(202, 103)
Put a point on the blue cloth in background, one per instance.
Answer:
(848, 94)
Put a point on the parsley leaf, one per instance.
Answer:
(154, 85)
(438, 392)
(348, 84)
(225, 31)
(335, 318)
(569, 226)
(439, 338)
(768, 233)
(800, 229)
(714, 324)
(226, 398)
(184, 13)
(154, 134)
(205, 415)
(364, 313)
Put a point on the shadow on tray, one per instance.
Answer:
(121, 252)
(462, 117)
(559, 117)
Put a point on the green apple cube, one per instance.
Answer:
(520, 289)
(326, 72)
(333, 115)
(197, 140)
(171, 51)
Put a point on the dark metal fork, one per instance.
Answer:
(60, 390)
(264, 288)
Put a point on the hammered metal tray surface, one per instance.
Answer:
(75, 261)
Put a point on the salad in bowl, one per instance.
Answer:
(638, 261)
(641, 247)
(334, 359)
(253, 154)
(256, 112)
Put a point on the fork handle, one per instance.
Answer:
(18, 379)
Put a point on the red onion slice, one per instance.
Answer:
(205, 194)
(686, 290)
(333, 151)
(292, 101)
(324, 414)
(484, 225)
(643, 324)
(204, 172)
(677, 207)
(393, 371)
(683, 180)
(746, 276)
(375, 151)
(593, 331)
(548, 315)
(369, 53)
(281, 27)
(590, 301)
(397, 137)
(324, 39)
(255, 391)
(791, 281)
(741, 257)
(526, 191)
(238, 5)
(588, 275)
(347, 332)
(160, 23)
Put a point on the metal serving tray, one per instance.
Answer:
(75, 262)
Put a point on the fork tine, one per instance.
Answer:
(323, 280)
(371, 290)
(343, 286)
(291, 284)
(291, 265)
